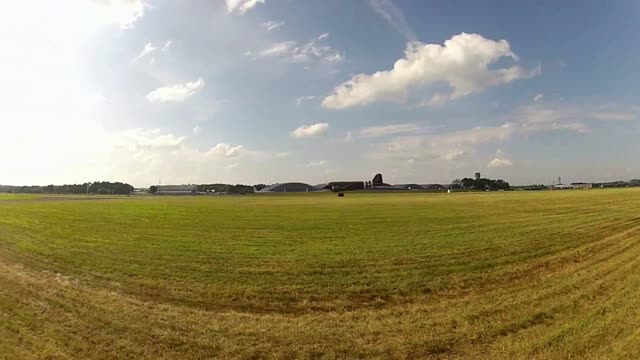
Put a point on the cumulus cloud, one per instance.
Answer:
(393, 15)
(499, 162)
(272, 25)
(463, 63)
(122, 12)
(386, 130)
(538, 98)
(310, 130)
(240, 7)
(175, 93)
(317, 163)
(313, 50)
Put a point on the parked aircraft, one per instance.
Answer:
(341, 186)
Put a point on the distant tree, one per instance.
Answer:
(485, 184)
(259, 186)
(153, 189)
(468, 183)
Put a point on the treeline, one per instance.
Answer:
(98, 187)
(533, 187)
(226, 188)
(485, 184)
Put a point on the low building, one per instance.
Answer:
(613, 184)
(408, 187)
(582, 185)
(433, 187)
(561, 187)
(288, 187)
(177, 189)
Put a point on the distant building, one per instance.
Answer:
(561, 187)
(634, 182)
(433, 186)
(408, 187)
(288, 187)
(177, 190)
(478, 176)
(612, 184)
(582, 185)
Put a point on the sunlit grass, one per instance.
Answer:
(539, 274)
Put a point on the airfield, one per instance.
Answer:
(540, 274)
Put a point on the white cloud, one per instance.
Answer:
(232, 166)
(242, 6)
(151, 139)
(523, 121)
(386, 130)
(348, 137)
(317, 163)
(284, 48)
(283, 154)
(436, 100)
(462, 63)
(122, 12)
(499, 162)
(394, 16)
(300, 99)
(196, 130)
(272, 25)
(453, 154)
(290, 51)
(310, 130)
(226, 150)
(615, 115)
(538, 98)
(149, 49)
(175, 93)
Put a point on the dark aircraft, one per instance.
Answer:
(341, 186)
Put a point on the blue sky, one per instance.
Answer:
(250, 91)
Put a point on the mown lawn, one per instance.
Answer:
(410, 275)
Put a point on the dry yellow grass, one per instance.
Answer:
(513, 275)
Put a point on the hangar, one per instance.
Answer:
(177, 189)
(288, 187)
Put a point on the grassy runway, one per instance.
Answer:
(473, 275)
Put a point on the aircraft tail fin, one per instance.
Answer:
(377, 180)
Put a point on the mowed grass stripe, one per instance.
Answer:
(546, 275)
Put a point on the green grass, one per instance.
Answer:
(476, 275)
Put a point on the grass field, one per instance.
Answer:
(475, 275)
